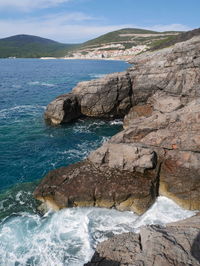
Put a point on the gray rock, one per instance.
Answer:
(124, 156)
(176, 244)
(106, 97)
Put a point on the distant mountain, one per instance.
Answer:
(29, 46)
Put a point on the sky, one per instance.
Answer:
(75, 21)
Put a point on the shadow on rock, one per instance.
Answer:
(195, 249)
(99, 261)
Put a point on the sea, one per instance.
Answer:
(29, 148)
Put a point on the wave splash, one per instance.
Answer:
(69, 236)
(20, 110)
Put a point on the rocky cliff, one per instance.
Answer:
(157, 153)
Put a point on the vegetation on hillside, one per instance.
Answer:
(184, 36)
(29, 46)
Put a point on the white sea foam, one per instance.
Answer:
(30, 109)
(163, 211)
(19, 198)
(96, 75)
(116, 122)
(69, 236)
(35, 83)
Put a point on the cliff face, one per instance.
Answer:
(157, 153)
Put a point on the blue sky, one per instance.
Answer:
(73, 21)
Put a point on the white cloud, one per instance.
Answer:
(63, 27)
(68, 27)
(170, 27)
(27, 5)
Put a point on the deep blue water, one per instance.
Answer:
(28, 147)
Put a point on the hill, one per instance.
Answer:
(117, 44)
(31, 46)
(118, 36)
(122, 43)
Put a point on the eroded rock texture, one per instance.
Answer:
(176, 244)
(84, 184)
(107, 97)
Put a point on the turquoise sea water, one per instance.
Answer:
(29, 149)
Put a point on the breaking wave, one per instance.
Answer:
(68, 237)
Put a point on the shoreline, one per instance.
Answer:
(69, 58)
(80, 58)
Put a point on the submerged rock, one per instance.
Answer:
(176, 244)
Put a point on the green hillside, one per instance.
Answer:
(116, 36)
(184, 36)
(29, 46)
(130, 37)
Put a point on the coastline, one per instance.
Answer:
(80, 58)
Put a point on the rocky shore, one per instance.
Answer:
(157, 153)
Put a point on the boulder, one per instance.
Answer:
(86, 184)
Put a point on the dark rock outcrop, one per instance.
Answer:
(176, 244)
(84, 184)
(158, 152)
(64, 108)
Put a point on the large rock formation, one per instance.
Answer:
(176, 244)
(107, 97)
(158, 152)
